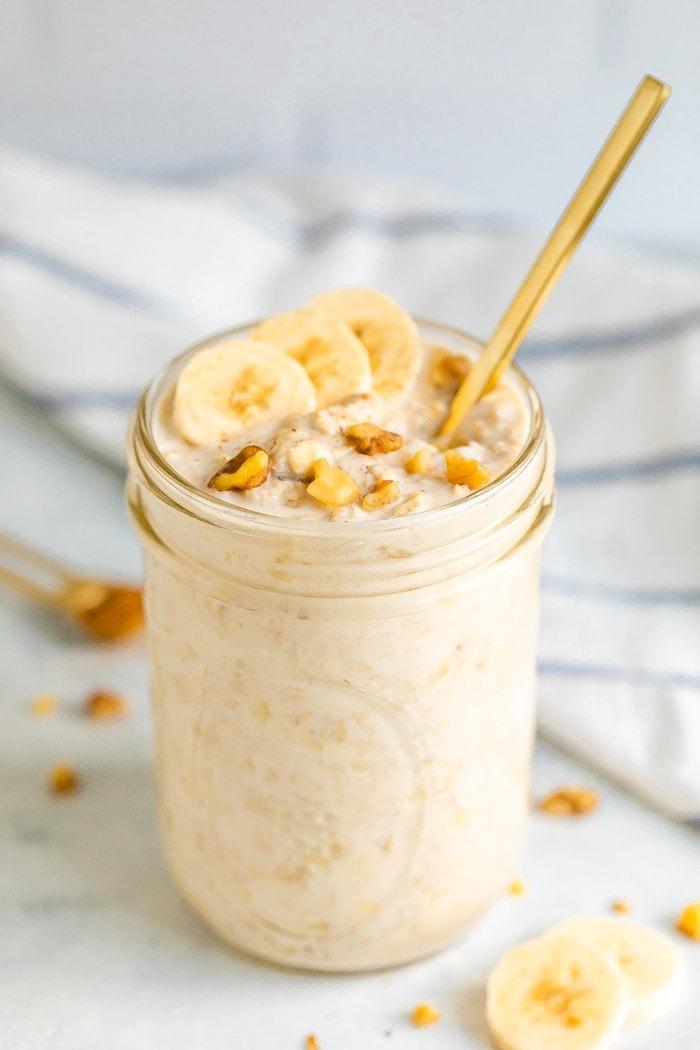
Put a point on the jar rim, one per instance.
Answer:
(199, 504)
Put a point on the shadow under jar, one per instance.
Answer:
(344, 711)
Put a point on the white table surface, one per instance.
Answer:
(97, 952)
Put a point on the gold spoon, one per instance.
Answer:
(105, 610)
(589, 198)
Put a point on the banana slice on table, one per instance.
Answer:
(334, 358)
(650, 962)
(228, 388)
(388, 332)
(556, 993)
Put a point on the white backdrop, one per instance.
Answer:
(502, 101)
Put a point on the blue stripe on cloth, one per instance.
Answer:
(627, 337)
(625, 676)
(640, 596)
(630, 470)
(117, 400)
(64, 271)
(414, 225)
(309, 234)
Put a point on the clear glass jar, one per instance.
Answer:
(344, 711)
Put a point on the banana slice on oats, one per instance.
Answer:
(556, 993)
(334, 358)
(228, 388)
(388, 332)
(650, 962)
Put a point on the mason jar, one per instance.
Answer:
(344, 710)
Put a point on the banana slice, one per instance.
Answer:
(556, 993)
(650, 962)
(387, 331)
(333, 357)
(233, 386)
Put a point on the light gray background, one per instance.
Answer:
(503, 101)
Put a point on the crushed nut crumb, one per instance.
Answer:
(688, 922)
(424, 1014)
(568, 802)
(63, 780)
(311, 1042)
(517, 888)
(331, 485)
(246, 470)
(43, 705)
(463, 471)
(385, 492)
(369, 439)
(621, 907)
(104, 705)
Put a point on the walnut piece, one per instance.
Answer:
(369, 439)
(332, 486)
(424, 1014)
(688, 922)
(385, 492)
(311, 1042)
(621, 907)
(448, 369)
(248, 469)
(104, 705)
(517, 888)
(463, 471)
(63, 780)
(568, 802)
(419, 463)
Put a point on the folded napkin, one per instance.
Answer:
(101, 282)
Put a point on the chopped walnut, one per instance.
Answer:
(332, 486)
(568, 802)
(517, 888)
(385, 492)
(369, 439)
(621, 907)
(311, 1043)
(104, 705)
(43, 705)
(63, 780)
(419, 463)
(463, 471)
(248, 469)
(448, 369)
(688, 922)
(424, 1014)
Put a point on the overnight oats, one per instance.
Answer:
(342, 614)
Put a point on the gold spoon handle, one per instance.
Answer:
(589, 198)
(33, 573)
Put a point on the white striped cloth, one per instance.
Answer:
(101, 282)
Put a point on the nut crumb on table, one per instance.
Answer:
(621, 907)
(43, 705)
(63, 780)
(311, 1043)
(424, 1014)
(103, 705)
(688, 922)
(570, 801)
(517, 888)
